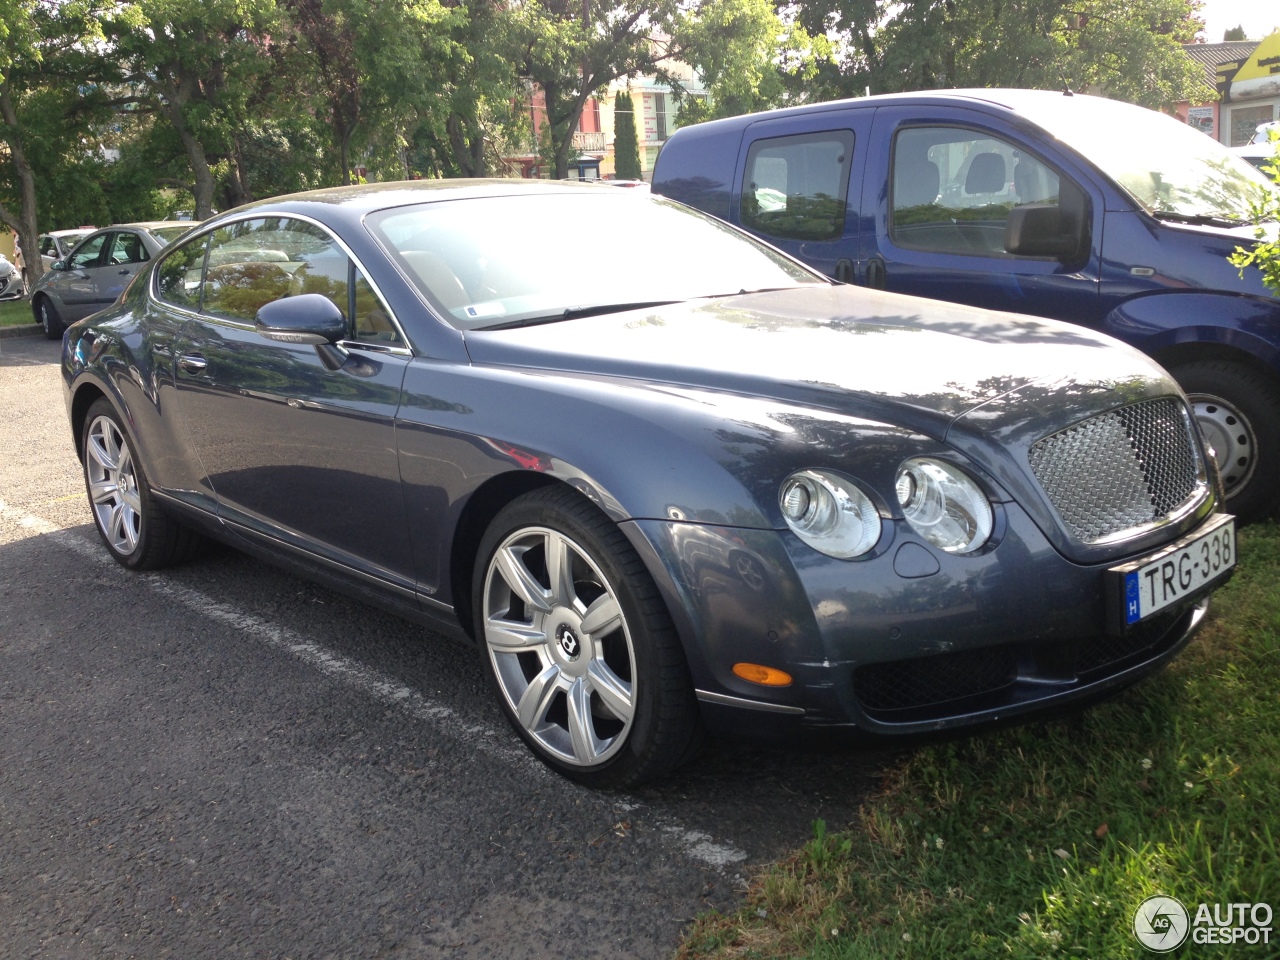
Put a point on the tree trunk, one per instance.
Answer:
(24, 224)
(204, 186)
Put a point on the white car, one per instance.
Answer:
(56, 244)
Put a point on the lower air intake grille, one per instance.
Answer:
(1121, 470)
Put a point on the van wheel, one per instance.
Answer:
(1238, 411)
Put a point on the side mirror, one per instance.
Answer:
(58, 265)
(1042, 230)
(307, 318)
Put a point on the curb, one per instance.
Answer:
(22, 330)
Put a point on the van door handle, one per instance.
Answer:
(193, 363)
(843, 272)
(875, 273)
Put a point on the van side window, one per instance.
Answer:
(797, 187)
(953, 190)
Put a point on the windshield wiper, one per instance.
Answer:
(1198, 219)
(571, 313)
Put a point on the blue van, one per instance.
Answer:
(1066, 206)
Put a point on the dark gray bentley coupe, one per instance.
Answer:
(666, 477)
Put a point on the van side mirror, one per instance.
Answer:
(1042, 230)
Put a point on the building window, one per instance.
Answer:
(1245, 120)
(660, 114)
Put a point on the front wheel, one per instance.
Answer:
(579, 645)
(1238, 411)
(49, 319)
(129, 520)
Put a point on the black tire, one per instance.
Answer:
(637, 718)
(1238, 411)
(130, 521)
(49, 319)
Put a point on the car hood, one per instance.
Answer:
(916, 363)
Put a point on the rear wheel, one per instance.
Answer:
(1238, 411)
(49, 319)
(129, 520)
(579, 645)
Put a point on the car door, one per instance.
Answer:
(941, 186)
(124, 257)
(78, 287)
(797, 186)
(297, 441)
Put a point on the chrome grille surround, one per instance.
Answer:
(1117, 474)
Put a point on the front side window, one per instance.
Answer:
(89, 253)
(253, 262)
(796, 188)
(953, 189)
(178, 276)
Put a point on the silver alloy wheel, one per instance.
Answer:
(1230, 435)
(560, 646)
(113, 485)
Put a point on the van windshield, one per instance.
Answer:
(1164, 165)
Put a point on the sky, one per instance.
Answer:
(1258, 17)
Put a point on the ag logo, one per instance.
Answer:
(1161, 924)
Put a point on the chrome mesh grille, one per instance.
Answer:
(1120, 470)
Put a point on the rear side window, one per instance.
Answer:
(797, 188)
(953, 189)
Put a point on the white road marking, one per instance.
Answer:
(697, 845)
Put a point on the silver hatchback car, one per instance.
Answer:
(97, 270)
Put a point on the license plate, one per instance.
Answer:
(1151, 584)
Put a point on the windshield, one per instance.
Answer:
(1163, 164)
(496, 261)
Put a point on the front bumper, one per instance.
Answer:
(908, 641)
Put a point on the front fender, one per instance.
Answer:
(1162, 322)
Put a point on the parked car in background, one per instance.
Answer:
(11, 285)
(721, 491)
(97, 269)
(1078, 208)
(56, 244)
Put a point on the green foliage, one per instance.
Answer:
(626, 144)
(1265, 213)
(1130, 49)
(1235, 33)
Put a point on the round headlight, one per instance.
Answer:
(943, 505)
(829, 513)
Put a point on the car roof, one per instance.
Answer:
(1029, 102)
(367, 197)
(69, 232)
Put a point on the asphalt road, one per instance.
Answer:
(223, 760)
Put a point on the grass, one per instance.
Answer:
(14, 313)
(1042, 840)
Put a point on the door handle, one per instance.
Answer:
(843, 272)
(193, 363)
(125, 273)
(875, 273)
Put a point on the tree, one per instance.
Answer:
(626, 145)
(1129, 49)
(198, 64)
(1235, 33)
(42, 61)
